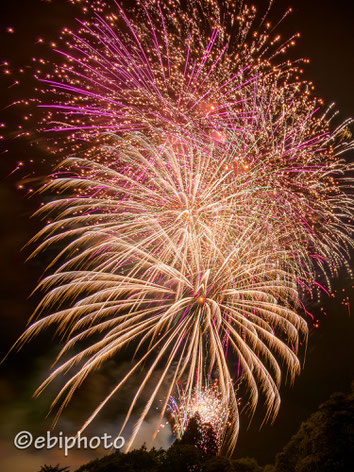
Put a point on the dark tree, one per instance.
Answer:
(193, 434)
(325, 442)
(50, 468)
(201, 435)
(209, 441)
(246, 464)
(139, 459)
(218, 464)
(183, 458)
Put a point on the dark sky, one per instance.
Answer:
(327, 38)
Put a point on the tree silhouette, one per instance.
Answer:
(50, 468)
(201, 435)
(209, 442)
(183, 458)
(246, 464)
(193, 433)
(325, 442)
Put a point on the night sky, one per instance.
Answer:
(327, 38)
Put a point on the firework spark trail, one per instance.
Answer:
(123, 78)
(186, 314)
(210, 193)
(262, 115)
(171, 197)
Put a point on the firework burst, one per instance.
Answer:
(205, 193)
(209, 404)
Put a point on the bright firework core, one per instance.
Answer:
(205, 402)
